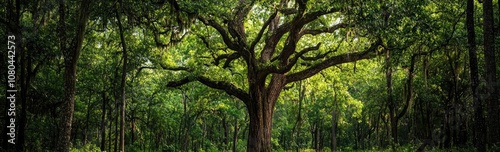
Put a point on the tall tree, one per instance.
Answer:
(479, 125)
(268, 66)
(491, 78)
(123, 81)
(71, 51)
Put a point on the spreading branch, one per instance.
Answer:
(324, 29)
(220, 85)
(229, 58)
(339, 59)
(261, 32)
(320, 56)
(293, 61)
(223, 33)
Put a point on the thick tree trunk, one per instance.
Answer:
(259, 134)
(491, 78)
(71, 55)
(260, 108)
(479, 125)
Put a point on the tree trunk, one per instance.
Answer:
(226, 132)
(259, 134)
(260, 108)
(390, 100)
(87, 119)
(71, 55)
(334, 122)
(235, 134)
(185, 141)
(479, 125)
(103, 122)
(491, 78)
(298, 123)
(123, 82)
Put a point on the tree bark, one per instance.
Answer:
(479, 125)
(390, 100)
(235, 134)
(260, 109)
(103, 122)
(71, 55)
(226, 131)
(491, 78)
(123, 82)
(334, 123)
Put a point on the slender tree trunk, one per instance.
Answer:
(390, 100)
(491, 78)
(71, 55)
(123, 82)
(298, 123)
(87, 119)
(185, 141)
(479, 125)
(110, 132)
(103, 122)
(235, 134)
(334, 122)
(226, 132)
(132, 129)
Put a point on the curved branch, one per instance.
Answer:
(223, 33)
(324, 29)
(320, 56)
(293, 61)
(339, 59)
(220, 85)
(261, 32)
(229, 58)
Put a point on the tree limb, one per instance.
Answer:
(293, 61)
(320, 56)
(220, 85)
(229, 58)
(324, 29)
(261, 32)
(223, 33)
(339, 59)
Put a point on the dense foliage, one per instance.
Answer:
(253, 75)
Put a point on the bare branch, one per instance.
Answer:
(339, 59)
